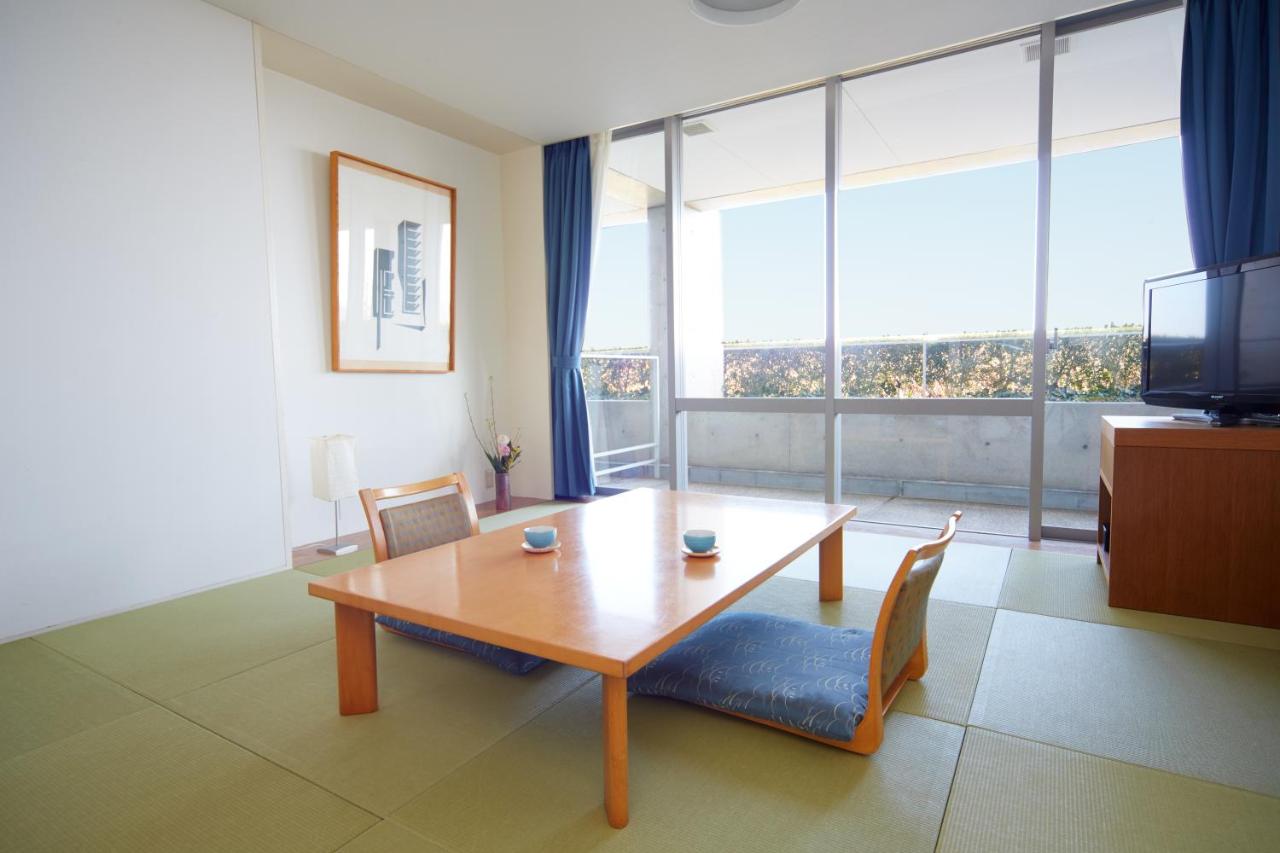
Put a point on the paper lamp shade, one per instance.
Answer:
(333, 467)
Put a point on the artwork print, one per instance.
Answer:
(392, 263)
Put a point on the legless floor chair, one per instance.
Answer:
(427, 523)
(828, 684)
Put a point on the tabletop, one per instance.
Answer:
(617, 593)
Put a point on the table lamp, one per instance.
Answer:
(333, 477)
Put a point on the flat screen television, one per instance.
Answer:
(1211, 340)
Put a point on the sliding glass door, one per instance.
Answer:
(936, 243)
(1117, 218)
(751, 296)
(623, 354)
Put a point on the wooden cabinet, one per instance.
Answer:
(1189, 519)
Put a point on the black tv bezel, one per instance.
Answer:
(1208, 401)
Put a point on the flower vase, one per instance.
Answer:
(502, 491)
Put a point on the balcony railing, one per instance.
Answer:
(634, 378)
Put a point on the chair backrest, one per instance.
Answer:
(421, 524)
(901, 625)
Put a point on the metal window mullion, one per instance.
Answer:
(677, 421)
(1000, 407)
(754, 405)
(1109, 15)
(1040, 344)
(834, 95)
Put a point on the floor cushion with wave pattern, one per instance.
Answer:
(804, 676)
(517, 663)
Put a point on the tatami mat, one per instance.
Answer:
(1073, 587)
(971, 574)
(1075, 716)
(170, 648)
(1017, 795)
(1194, 707)
(44, 697)
(698, 781)
(388, 837)
(153, 781)
(524, 515)
(957, 640)
(437, 708)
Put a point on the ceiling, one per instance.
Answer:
(554, 69)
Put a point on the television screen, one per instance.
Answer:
(1213, 338)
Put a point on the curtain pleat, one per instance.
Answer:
(567, 224)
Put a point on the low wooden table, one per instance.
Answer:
(617, 593)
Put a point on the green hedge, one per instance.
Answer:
(1094, 366)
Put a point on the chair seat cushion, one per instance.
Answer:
(512, 661)
(812, 678)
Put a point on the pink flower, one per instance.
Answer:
(504, 450)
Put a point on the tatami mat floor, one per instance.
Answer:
(1047, 722)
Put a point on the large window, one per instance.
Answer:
(937, 227)
(917, 469)
(752, 263)
(776, 456)
(912, 197)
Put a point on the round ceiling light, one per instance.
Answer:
(734, 13)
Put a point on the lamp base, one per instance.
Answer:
(338, 550)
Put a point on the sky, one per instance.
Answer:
(937, 255)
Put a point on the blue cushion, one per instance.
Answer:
(812, 678)
(515, 662)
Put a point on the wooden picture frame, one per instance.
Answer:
(393, 241)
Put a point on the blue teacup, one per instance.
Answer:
(700, 541)
(542, 536)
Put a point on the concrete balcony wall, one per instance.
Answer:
(622, 423)
(919, 456)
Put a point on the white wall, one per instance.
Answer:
(408, 426)
(528, 362)
(138, 444)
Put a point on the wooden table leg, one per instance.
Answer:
(831, 566)
(357, 660)
(615, 750)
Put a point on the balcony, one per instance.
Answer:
(898, 469)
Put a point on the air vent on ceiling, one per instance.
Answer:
(1031, 50)
(697, 128)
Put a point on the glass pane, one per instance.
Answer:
(752, 250)
(625, 336)
(756, 455)
(915, 470)
(937, 227)
(1117, 217)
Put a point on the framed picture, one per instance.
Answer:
(392, 248)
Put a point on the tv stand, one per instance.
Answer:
(1189, 519)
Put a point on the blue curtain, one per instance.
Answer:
(566, 207)
(1231, 128)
